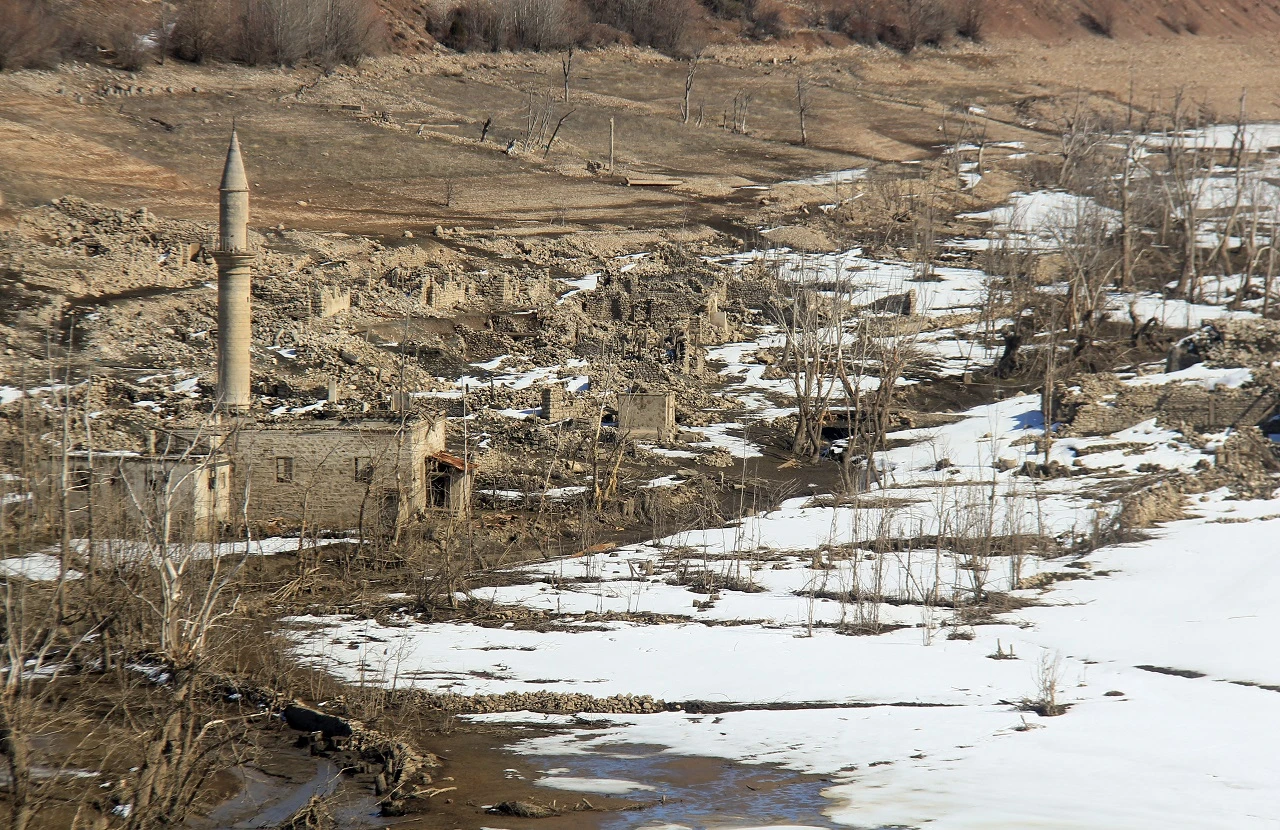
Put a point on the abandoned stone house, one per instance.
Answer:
(116, 489)
(336, 475)
(342, 474)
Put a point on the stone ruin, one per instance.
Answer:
(451, 289)
(647, 416)
(1103, 404)
(328, 300)
(558, 404)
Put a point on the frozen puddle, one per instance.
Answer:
(602, 786)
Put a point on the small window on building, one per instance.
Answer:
(284, 469)
(364, 469)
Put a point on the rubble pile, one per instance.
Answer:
(545, 702)
(1103, 404)
(463, 324)
(1243, 342)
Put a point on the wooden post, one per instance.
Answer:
(611, 144)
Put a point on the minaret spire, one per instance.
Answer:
(234, 216)
(234, 261)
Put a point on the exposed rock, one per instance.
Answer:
(523, 809)
(310, 720)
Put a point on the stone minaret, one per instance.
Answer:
(234, 260)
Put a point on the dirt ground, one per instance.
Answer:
(394, 145)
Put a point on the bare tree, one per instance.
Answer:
(803, 104)
(37, 648)
(566, 68)
(200, 31)
(1083, 236)
(1183, 180)
(921, 22)
(560, 123)
(688, 85)
(1080, 137)
(810, 315)
(741, 107)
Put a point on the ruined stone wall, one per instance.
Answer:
(647, 416)
(557, 404)
(1102, 407)
(443, 294)
(328, 300)
(1215, 409)
(121, 483)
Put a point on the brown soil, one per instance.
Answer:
(424, 164)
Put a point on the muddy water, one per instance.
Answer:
(698, 793)
(266, 800)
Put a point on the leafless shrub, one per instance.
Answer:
(726, 9)
(199, 33)
(1100, 18)
(1048, 675)
(920, 23)
(289, 31)
(280, 32)
(766, 21)
(352, 30)
(670, 26)
(541, 24)
(666, 25)
(129, 39)
(863, 21)
(30, 35)
(970, 18)
(471, 26)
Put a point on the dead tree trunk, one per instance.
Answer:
(688, 87)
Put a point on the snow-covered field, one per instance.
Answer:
(917, 725)
(46, 565)
(834, 637)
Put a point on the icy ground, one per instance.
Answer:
(916, 724)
